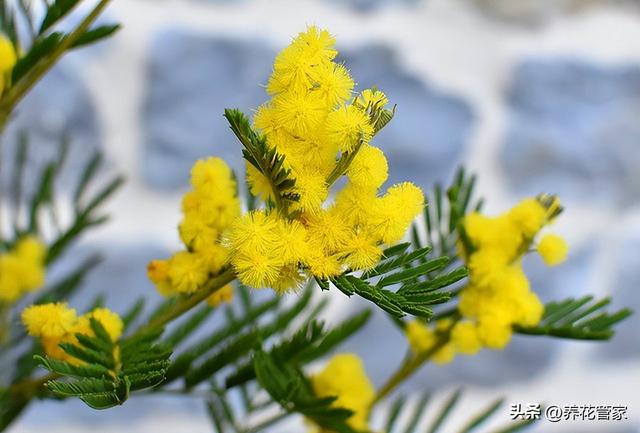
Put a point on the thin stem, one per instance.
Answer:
(212, 286)
(21, 395)
(28, 387)
(4, 324)
(343, 164)
(26, 13)
(449, 312)
(411, 365)
(174, 392)
(408, 368)
(267, 423)
(17, 92)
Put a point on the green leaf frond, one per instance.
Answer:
(41, 44)
(443, 418)
(42, 206)
(264, 158)
(379, 117)
(577, 319)
(444, 213)
(104, 372)
(287, 385)
(257, 325)
(419, 279)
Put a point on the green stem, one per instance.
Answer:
(411, 365)
(212, 286)
(4, 323)
(21, 395)
(346, 159)
(9, 414)
(267, 423)
(17, 92)
(408, 368)
(27, 388)
(343, 164)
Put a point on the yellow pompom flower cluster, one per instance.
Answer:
(22, 269)
(57, 323)
(221, 296)
(208, 209)
(553, 249)
(498, 295)
(310, 121)
(422, 338)
(344, 377)
(266, 249)
(8, 60)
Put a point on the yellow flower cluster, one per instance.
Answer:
(553, 249)
(57, 323)
(22, 269)
(423, 338)
(498, 295)
(311, 123)
(344, 377)
(209, 209)
(8, 60)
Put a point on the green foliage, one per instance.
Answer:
(96, 34)
(420, 280)
(231, 345)
(186, 360)
(579, 319)
(133, 314)
(36, 212)
(572, 319)
(379, 118)
(309, 343)
(444, 212)
(445, 415)
(222, 360)
(8, 21)
(108, 371)
(39, 51)
(287, 385)
(41, 206)
(265, 159)
(57, 10)
(43, 46)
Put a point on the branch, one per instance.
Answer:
(409, 367)
(17, 92)
(187, 304)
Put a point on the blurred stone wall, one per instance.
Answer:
(533, 96)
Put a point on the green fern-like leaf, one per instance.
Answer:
(444, 212)
(96, 34)
(288, 386)
(445, 415)
(265, 159)
(421, 280)
(109, 371)
(65, 369)
(183, 362)
(55, 12)
(580, 319)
